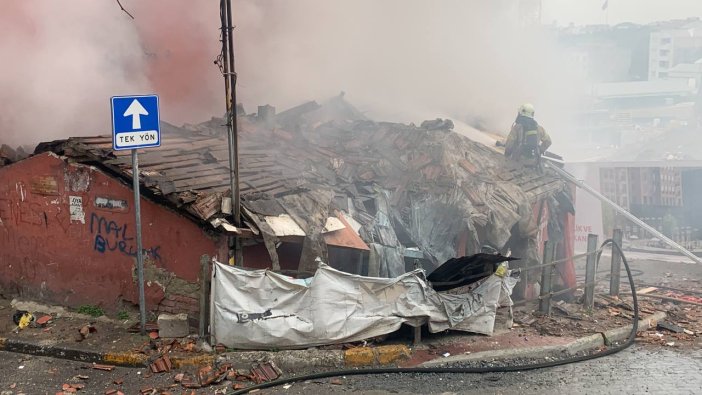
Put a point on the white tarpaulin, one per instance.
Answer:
(260, 309)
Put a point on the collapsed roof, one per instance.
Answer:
(316, 170)
(9, 155)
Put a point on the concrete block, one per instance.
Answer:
(173, 325)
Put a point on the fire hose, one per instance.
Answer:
(497, 369)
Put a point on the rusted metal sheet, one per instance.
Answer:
(345, 237)
(208, 205)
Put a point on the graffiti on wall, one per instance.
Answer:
(111, 236)
(22, 212)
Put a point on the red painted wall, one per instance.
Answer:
(88, 255)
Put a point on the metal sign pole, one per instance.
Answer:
(140, 250)
(136, 124)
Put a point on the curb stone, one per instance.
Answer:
(117, 359)
(289, 360)
(292, 360)
(587, 343)
(617, 335)
(540, 352)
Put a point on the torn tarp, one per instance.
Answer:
(338, 307)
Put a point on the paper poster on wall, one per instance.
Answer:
(75, 208)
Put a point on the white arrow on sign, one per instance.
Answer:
(135, 110)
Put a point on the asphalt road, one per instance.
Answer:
(636, 370)
(633, 371)
(673, 271)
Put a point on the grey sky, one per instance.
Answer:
(638, 11)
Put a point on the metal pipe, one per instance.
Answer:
(622, 211)
(140, 250)
(234, 153)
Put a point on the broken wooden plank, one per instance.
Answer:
(646, 290)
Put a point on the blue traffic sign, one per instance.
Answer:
(135, 122)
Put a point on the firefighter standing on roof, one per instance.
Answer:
(527, 140)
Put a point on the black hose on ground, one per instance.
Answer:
(497, 369)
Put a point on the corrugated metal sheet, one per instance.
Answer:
(283, 225)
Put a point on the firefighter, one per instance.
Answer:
(527, 140)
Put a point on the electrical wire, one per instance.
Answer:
(497, 369)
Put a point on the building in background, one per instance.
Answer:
(674, 45)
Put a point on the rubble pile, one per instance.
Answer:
(681, 328)
(9, 155)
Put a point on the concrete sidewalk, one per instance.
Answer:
(566, 349)
(436, 351)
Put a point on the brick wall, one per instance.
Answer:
(176, 304)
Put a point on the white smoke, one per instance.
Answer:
(405, 60)
(61, 63)
(401, 60)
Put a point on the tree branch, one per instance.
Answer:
(126, 12)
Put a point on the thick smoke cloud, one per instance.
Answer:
(405, 60)
(401, 60)
(61, 61)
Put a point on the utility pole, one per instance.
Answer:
(225, 7)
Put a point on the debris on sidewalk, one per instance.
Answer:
(561, 307)
(215, 374)
(85, 331)
(457, 272)
(70, 388)
(665, 325)
(44, 320)
(161, 365)
(107, 368)
(22, 319)
(267, 371)
(149, 326)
